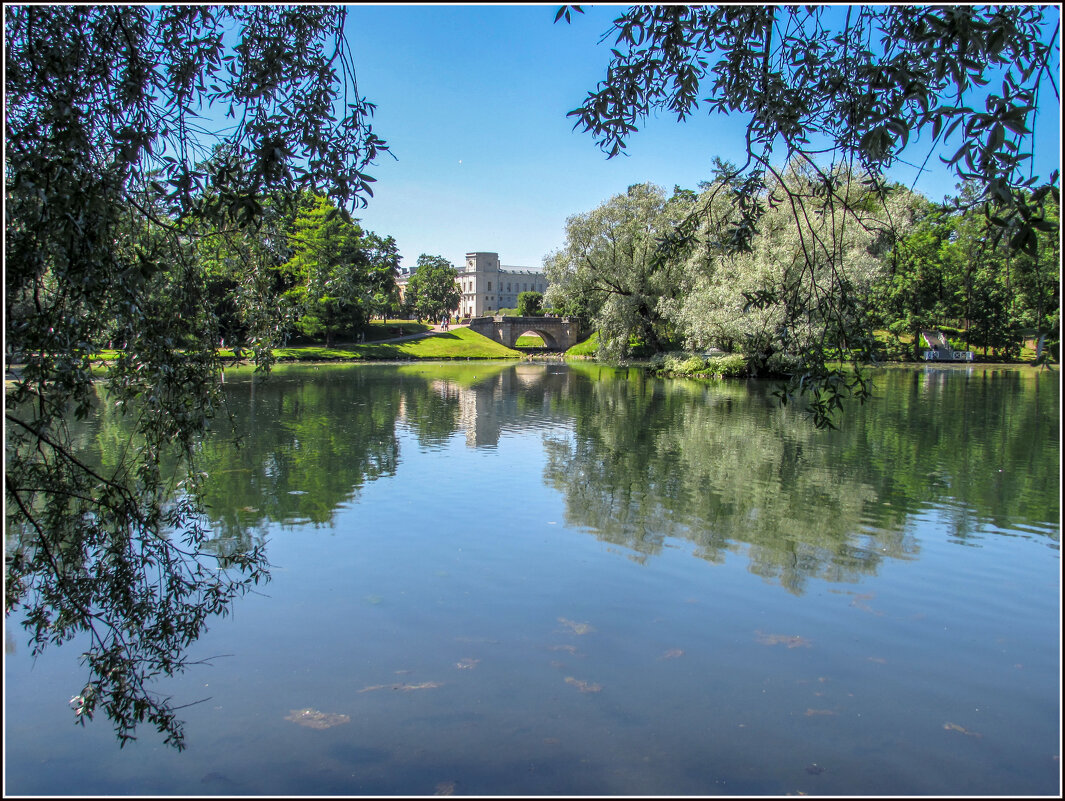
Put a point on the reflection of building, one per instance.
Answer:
(487, 286)
(479, 413)
(518, 398)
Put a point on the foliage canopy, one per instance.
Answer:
(530, 303)
(855, 88)
(432, 291)
(135, 134)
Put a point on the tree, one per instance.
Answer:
(530, 304)
(111, 115)
(380, 257)
(1007, 292)
(244, 281)
(607, 270)
(324, 269)
(309, 267)
(855, 86)
(918, 291)
(433, 291)
(1038, 286)
(740, 300)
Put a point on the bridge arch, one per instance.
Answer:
(558, 333)
(546, 336)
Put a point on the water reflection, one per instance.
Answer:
(722, 467)
(485, 403)
(443, 630)
(640, 461)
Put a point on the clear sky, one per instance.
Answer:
(473, 100)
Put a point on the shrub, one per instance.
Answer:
(692, 365)
(530, 304)
(731, 365)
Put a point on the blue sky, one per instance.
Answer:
(473, 101)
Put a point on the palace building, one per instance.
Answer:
(488, 286)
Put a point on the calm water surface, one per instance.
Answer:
(551, 579)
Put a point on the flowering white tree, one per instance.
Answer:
(778, 299)
(609, 270)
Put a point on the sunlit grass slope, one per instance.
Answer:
(460, 343)
(589, 347)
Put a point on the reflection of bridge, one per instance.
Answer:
(558, 333)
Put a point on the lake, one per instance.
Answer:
(559, 579)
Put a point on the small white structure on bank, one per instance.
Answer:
(487, 286)
(939, 350)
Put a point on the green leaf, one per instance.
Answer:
(996, 137)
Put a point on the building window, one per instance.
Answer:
(489, 286)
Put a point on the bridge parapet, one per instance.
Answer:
(558, 333)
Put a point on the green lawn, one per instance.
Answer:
(463, 373)
(589, 347)
(460, 343)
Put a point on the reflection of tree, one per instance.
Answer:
(717, 464)
(433, 415)
(987, 435)
(720, 466)
(637, 460)
(312, 437)
(133, 579)
(309, 441)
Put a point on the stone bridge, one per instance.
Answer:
(558, 333)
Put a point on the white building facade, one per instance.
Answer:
(488, 286)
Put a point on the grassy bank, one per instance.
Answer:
(589, 347)
(897, 352)
(460, 343)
